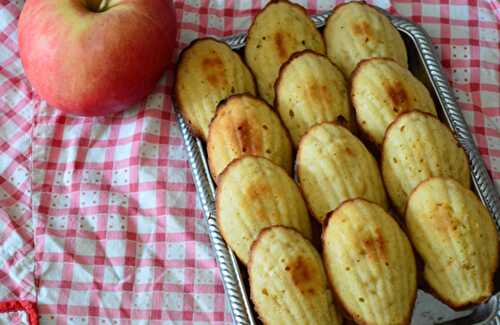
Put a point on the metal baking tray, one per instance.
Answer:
(425, 65)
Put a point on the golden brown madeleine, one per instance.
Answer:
(207, 72)
(356, 31)
(309, 90)
(253, 193)
(418, 146)
(246, 125)
(370, 264)
(457, 239)
(333, 166)
(279, 30)
(381, 89)
(288, 284)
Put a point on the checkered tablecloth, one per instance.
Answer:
(98, 216)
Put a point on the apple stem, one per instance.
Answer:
(97, 5)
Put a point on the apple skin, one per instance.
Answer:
(95, 63)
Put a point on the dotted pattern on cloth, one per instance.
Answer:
(99, 219)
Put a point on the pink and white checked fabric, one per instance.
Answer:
(99, 222)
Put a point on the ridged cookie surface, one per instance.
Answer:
(356, 31)
(288, 283)
(253, 193)
(418, 146)
(457, 239)
(245, 125)
(208, 71)
(309, 90)
(333, 166)
(370, 264)
(381, 89)
(279, 30)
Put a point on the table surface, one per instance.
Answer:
(99, 221)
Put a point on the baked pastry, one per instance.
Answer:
(457, 240)
(253, 193)
(333, 166)
(310, 89)
(288, 284)
(370, 264)
(279, 30)
(208, 71)
(246, 125)
(418, 146)
(381, 89)
(356, 31)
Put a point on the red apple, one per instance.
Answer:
(95, 57)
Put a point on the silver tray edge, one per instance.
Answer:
(234, 286)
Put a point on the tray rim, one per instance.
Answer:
(234, 286)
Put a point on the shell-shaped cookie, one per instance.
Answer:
(208, 71)
(253, 193)
(309, 90)
(333, 166)
(279, 30)
(246, 125)
(418, 146)
(381, 89)
(457, 239)
(288, 283)
(356, 31)
(370, 264)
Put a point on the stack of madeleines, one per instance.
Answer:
(307, 85)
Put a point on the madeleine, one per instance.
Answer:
(418, 146)
(288, 284)
(333, 166)
(370, 264)
(246, 125)
(310, 89)
(457, 240)
(381, 89)
(208, 71)
(356, 31)
(278, 31)
(253, 193)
